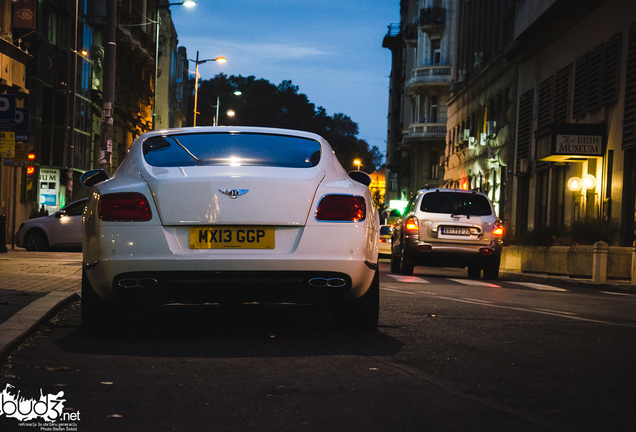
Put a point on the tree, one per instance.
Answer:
(262, 103)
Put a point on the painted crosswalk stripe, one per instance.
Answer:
(539, 286)
(473, 282)
(408, 279)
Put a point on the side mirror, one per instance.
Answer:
(360, 177)
(92, 177)
(60, 213)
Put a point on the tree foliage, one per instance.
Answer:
(262, 103)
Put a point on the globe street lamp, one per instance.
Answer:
(196, 81)
(187, 3)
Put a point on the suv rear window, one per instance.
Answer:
(232, 149)
(456, 203)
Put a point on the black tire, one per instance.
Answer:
(491, 271)
(395, 264)
(406, 268)
(474, 272)
(36, 240)
(95, 310)
(361, 315)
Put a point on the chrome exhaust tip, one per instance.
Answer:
(327, 282)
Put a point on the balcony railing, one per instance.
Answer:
(429, 75)
(432, 17)
(427, 130)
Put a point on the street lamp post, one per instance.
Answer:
(187, 3)
(197, 62)
(218, 104)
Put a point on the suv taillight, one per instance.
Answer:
(411, 226)
(498, 229)
(341, 208)
(124, 207)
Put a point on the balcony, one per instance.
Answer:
(426, 131)
(432, 19)
(427, 76)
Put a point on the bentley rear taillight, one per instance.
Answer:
(341, 208)
(124, 207)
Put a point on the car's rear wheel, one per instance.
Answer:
(406, 268)
(474, 272)
(96, 312)
(361, 315)
(491, 271)
(395, 263)
(36, 240)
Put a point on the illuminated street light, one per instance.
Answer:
(357, 163)
(218, 104)
(186, 3)
(197, 62)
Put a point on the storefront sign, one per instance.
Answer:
(579, 145)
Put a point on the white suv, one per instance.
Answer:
(448, 228)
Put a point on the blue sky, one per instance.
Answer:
(332, 50)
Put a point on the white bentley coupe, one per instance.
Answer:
(226, 215)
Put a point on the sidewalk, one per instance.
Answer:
(32, 285)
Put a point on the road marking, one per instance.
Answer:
(567, 315)
(408, 279)
(473, 282)
(478, 300)
(555, 311)
(400, 291)
(538, 286)
(618, 294)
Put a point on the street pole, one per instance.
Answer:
(154, 96)
(196, 88)
(216, 119)
(108, 110)
(71, 144)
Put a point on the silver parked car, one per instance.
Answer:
(448, 228)
(61, 229)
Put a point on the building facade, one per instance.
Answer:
(542, 110)
(66, 109)
(422, 54)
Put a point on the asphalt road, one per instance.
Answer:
(451, 354)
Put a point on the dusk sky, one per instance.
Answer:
(332, 50)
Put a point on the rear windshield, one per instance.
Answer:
(456, 203)
(386, 230)
(232, 149)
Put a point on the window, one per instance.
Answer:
(629, 117)
(544, 116)
(612, 66)
(436, 52)
(580, 86)
(234, 149)
(456, 203)
(561, 95)
(524, 137)
(434, 164)
(433, 114)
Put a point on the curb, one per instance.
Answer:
(19, 326)
(622, 287)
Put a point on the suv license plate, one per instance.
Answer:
(455, 231)
(232, 237)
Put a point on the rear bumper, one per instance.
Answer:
(451, 255)
(163, 287)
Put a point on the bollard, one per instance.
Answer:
(3, 234)
(599, 270)
(634, 263)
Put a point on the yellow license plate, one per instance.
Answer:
(232, 237)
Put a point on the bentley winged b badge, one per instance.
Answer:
(234, 193)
